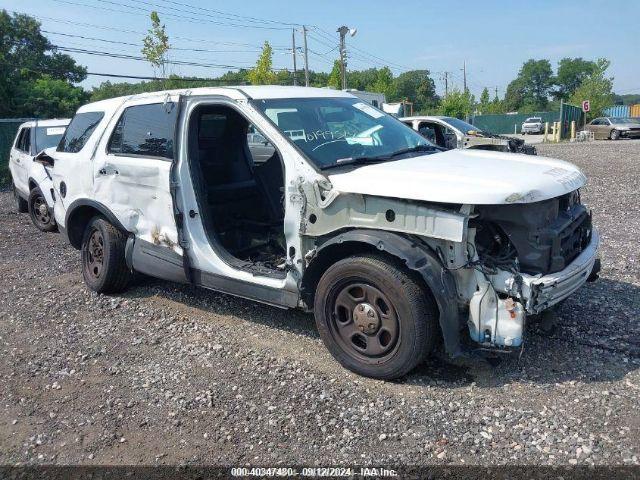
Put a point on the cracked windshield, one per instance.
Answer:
(340, 131)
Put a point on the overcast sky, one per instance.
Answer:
(493, 37)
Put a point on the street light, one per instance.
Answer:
(343, 30)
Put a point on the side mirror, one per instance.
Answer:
(44, 159)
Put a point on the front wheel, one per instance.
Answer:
(104, 267)
(374, 318)
(615, 134)
(39, 212)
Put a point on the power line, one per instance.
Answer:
(135, 32)
(145, 12)
(139, 58)
(205, 50)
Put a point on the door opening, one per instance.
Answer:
(239, 181)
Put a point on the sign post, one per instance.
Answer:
(586, 107)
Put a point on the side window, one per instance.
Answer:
(79, 131)
(18, 144)
(145, 130)
(24, 142)
(605, 121)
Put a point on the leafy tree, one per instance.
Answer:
(484, 100)
(417, 87)
(457, 104)
(46, 95)
(529, 91)
(25, 56)
(596, 88)
(262, 73)
(383, 82)
(156, 45)
(571, 73)
(335, 77)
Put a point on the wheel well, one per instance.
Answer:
(336, 252)
(77, 223)
(32, 184)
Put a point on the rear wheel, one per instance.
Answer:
(615, 135)
(374, 318)
(21, 204)
(39, 211)
(103, 260)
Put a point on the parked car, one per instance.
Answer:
(391, 242)
(532, 125)
(31, 181)
(450, 133)
(614, 128)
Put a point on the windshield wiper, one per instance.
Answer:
(341, 162)
(417, 148)
(380, 158)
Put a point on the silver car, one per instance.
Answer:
(614, 128)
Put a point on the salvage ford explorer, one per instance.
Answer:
(337, 208)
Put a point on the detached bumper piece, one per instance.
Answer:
(548, 290)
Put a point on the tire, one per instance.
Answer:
(21, 204)
(39, 212)
(103, 260)
(374, 318)
(614, 135)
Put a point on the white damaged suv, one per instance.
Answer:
(345, 211)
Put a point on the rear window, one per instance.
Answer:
(145, 130)
(47, 137)
(79, 131)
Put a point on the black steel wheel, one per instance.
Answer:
(21, 204)
(39, 211)
(103, 262)
(374, 317)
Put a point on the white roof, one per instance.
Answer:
(50, 122)
(259, 92)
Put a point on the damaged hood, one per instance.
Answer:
(473, 177)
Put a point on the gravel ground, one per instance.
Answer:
(169, 374)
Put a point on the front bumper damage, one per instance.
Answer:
(540, 292)
(498, 310)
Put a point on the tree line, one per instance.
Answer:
(38, 81)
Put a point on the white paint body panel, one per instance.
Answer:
(473, 177)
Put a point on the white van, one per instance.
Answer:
(31, 181)
(392, 243)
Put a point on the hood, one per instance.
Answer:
(474, 177)
(627, 125)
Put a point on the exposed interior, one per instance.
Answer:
(239, 181)
(438, 134)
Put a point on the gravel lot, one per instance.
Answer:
(172, 374)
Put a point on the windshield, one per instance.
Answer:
(458, 124)
(533, 120)
(335, 131)
(621, 120)
(48, 136)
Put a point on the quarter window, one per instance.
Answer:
(24, 142)
(145, 130)
(79, 130)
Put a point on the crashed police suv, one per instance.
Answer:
(313, 199)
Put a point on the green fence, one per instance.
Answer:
(8, 129)
(510, 123)
(568, 114)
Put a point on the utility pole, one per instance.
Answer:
(446, 83)
(343, 30)
(464, 75)
(294, 54)
(496, 90)
(306, 57)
